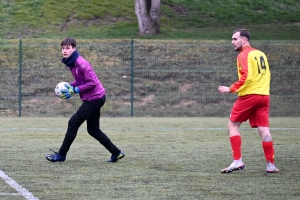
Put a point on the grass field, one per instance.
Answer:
(166, 158)
(180, 19)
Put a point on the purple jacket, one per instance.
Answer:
(86, 80)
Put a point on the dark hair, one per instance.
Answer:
(68, 41)
(243, 33)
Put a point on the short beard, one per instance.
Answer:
(238, 49)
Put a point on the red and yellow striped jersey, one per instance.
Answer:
(253, 73)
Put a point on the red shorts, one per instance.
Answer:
(253, 107)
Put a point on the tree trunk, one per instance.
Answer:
(148, 14)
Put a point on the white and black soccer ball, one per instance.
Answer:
(60, 86)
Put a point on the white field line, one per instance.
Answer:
(10, 194)
(136, 128)
(21, 191)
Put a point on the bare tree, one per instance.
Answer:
(148, 14)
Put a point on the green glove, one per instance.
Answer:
(69, 92)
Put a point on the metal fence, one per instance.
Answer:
(143, 78)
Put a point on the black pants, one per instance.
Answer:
(89, 111)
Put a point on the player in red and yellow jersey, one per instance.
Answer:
(253, 102)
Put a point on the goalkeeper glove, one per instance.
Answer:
(69, 92)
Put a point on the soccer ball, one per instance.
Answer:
(60, 86)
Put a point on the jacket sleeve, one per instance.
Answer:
(89, 77)
(73, 83)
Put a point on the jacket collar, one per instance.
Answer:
(70, 61)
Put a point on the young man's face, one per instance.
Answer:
(238, 41)
(67, 50)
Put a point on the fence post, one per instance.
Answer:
(20, 78)
(132, 77)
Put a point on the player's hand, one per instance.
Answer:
(70, 89)
(65, 95)
(224, 89)
(69, 92)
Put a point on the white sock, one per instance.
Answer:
(270, 165)
(238, 161)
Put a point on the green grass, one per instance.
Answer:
(166, 158)
(180, 19)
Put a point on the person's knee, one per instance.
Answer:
(98, 135)
(93, 132)
(233, 128)
(73, 126)
(72, 122)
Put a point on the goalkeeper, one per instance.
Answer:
(92, 93)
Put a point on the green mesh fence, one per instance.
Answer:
(143, 78)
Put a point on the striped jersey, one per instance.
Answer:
(253, 73)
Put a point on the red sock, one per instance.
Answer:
(269, 151)
(236, 143)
